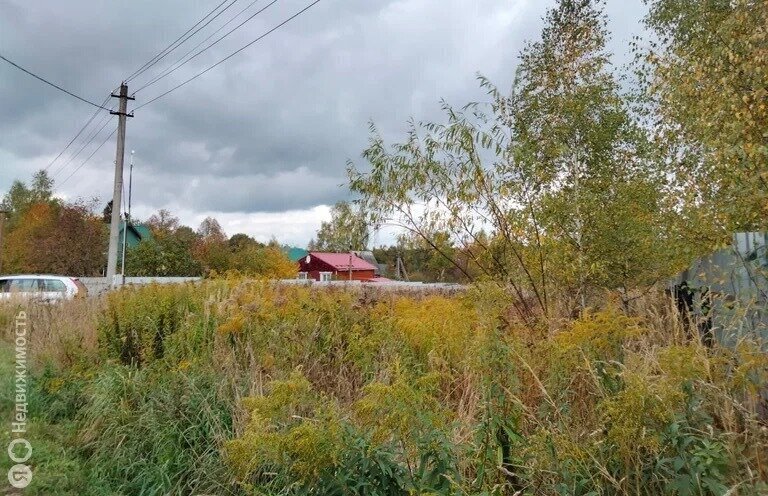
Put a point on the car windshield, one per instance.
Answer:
(22, 285)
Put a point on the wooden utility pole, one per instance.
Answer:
(400, 269)
(114, 227)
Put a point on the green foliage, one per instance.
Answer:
(57, 467)
(559, 173)
(597, 336)
(695, 463)
(400, 411)
(263, 388)
(289, 432)
(58, 396)
(553, 199)
(167, 253)
(296, 438)
(20, 196)
(705, 70)
(241, 241)
(178, 251)
(162, 257)
(420, 261)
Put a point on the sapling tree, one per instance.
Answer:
(548, 190)
(598, 187)
(706, 73)
(211, 249)
(347, 230)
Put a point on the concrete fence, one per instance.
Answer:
(99, 285)
(384, 286)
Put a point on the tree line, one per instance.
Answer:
(45, 234)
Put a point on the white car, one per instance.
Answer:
(42, 287)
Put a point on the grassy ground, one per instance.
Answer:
(56, 466)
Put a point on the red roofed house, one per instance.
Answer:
(322, 266)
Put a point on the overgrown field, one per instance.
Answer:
(245, 388)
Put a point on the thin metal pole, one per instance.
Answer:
(130, 183)
(122, 255)
(127, 220)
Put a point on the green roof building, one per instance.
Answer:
(136, 234)
(295, 254)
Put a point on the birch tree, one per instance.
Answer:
(557, 173)
(706, 71)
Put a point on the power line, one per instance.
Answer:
(294, 16)
(174, 66)
(50, 83)
(103, 121)
(154, 59)
(173, 46)
(89, 158)
(171, 69)
(188, 37)
(88, 122)
(85, 145)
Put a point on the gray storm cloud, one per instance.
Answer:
(271, 129)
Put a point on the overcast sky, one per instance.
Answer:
(261, 141)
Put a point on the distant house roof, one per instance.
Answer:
(144, 231)
(295, 254)
(369, 257)
(340, 261)
(136, 233)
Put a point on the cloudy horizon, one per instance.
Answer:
(260, 142)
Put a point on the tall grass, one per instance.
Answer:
(156, 431)
(244, 387)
